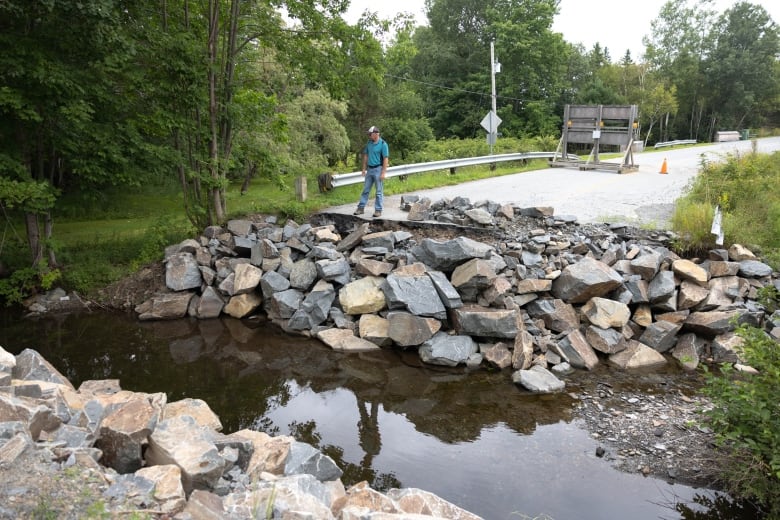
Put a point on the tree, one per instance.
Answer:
(66, 110)
(677, 48)
(657, 102)
(453, 64)
(741, 70)
(242, 42)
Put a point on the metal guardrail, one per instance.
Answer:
(344, 179)
(675, 143)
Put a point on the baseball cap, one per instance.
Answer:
(373, 129)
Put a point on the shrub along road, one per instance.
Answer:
(645, 197)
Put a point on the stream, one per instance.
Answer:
(471, 437)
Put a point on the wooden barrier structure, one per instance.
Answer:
(598, 125)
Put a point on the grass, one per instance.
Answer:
(747, 189)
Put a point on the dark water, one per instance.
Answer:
(472, 438)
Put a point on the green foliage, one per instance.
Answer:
(746, 188)
(723, 67)
(156, 239)
(26, 281)
(746, 419)
(452, 66)
(442, 149)
(44, 510)
(693, 220)
(739, 69)
(769, 297)
(97, 511)
(27, 195)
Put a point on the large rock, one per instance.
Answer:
(181, 441)
(587, 278)
(445, 256)
(661, 335)
(538, 380)
(412, 502)
(243, 305)
(574, 348)
(415, 294)
(345, 339)
(303, 274)
(124, 432)
(475, 320)
(375, 329)
(557, 315)
(448, 295)
(606, 313)
(284, 304)
(198, 409)
(646, 264)
(754, 269)
(305, 459)
(315, 307)
(168, 306)
(471, 277)
(444, 349)
(363, 296)
(208, 305)
(31, 366)
(182, 272)
(608, 341)
(407, 330)
(687, 270)
(637, 356)
(711, 324)
(247, 277)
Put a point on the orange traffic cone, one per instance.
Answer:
(663, 167)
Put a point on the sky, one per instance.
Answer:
(616, 24)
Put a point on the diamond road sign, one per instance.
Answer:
(491, 122)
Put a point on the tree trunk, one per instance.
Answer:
(649, 130)
(217, 214)
(34, 237)
(250, 172)
(48, 227)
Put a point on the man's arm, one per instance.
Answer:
(385, 161)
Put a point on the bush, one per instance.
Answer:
(746, 419)
(25, 282)
(693, 220)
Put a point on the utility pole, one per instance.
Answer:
(491, 120)
(492, 94)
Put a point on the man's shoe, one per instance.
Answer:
(377, 214)
(358, 211)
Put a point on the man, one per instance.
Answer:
(375, 160)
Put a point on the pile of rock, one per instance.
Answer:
(543, 295)
(149, 456)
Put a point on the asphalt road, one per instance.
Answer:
(645, 197)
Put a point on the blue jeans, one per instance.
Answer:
(372, 178)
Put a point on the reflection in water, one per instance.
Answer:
(470, 437)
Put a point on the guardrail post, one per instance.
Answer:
(300, 189)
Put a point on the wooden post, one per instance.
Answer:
(300, 189)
